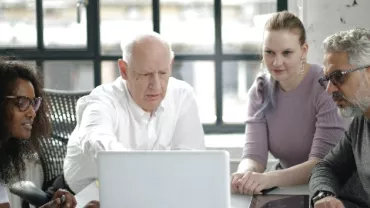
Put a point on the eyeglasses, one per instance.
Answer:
(23, 102)
(337, 77)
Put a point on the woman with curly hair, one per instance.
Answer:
(23, 121)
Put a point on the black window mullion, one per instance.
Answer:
(40, 25)
(58, 55)
(218, 60)
(40, 68)
(156, 15)
(282, 5)
(93, 37)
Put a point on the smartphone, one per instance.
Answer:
(280, 201)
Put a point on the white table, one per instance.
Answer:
(91, 192)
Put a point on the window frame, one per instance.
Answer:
(92, 52)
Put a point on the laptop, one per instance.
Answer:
(164, 179)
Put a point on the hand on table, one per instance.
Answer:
(250, 183)
(69, 200)
(329, 202)
(92, 204)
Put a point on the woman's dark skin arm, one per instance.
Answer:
(6, 205)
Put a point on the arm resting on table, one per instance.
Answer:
(295, 175)
(29, 192)
(336, 168)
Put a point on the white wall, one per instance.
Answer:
(325, 17)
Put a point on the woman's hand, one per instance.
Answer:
(250, 183)
(68, 201)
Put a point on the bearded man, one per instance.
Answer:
(347, 79)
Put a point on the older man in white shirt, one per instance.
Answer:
(143, 109)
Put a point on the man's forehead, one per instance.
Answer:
(147, 63)
(151, 69)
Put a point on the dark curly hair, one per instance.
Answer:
(14, 151)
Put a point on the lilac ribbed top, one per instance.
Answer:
(303, 124)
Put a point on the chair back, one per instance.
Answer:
(63, 120)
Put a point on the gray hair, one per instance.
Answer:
(355, 42)
(127, 46)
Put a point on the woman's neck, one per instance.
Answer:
(293, 82)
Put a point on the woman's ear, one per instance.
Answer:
(304, 51)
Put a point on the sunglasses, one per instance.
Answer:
(23, 102)
(338, 77)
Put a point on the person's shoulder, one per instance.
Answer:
(110, 94)
(316, 72)
(259, 85)
(179, 93)
(176, 84)
(178, 87)
(359, 122)
(358, 126)
(109, 88)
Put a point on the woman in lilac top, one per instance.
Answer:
(289, 113)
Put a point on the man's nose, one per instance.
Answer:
(155, 81)
(331, 88)
(31, 113)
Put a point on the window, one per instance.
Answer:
(189, 26)
(216, 43)
(119, 20)
(17, 24)
(61, 28)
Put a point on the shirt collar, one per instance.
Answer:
(137, 109)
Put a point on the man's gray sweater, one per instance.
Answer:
(345, 171)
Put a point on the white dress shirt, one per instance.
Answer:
(109, 119)
(3, 195)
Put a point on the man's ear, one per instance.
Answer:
(122, 65)
(171, 65)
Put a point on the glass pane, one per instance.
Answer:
(199, 74)
(120, 20)
(61, 29)
(242, 24)
(18, 23)
(238, 77)
(189, 25)
(69, 75)
(109, 71)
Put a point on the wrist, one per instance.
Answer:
(320, 195)
(273, 178)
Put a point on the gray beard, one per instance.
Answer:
(360, 104)
(350, 111)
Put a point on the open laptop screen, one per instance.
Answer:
(279, 201)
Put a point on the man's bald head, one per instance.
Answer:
(145, 44)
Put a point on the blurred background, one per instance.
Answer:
(76, 44)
